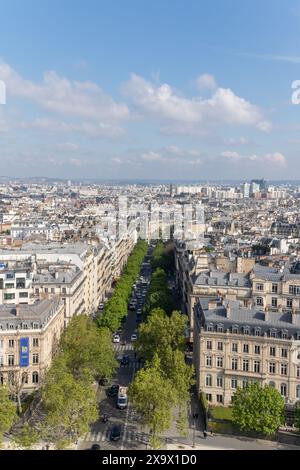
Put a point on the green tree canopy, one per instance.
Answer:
(153, 397)
(8, 412)
(86, 346)
(26, 437)
(259, 409)
(70, 404)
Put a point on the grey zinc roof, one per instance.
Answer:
(222, 278)
(39, 312)
(251, 317)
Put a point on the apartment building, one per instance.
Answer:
(29, 336)
(15, 285)
(234, 345)
(276, 289)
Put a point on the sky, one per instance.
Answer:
(150, 89)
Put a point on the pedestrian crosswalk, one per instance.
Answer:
(123, 347)
(130, 436)
(133, 365)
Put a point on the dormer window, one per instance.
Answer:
(284, 334)
(209, 327)
(273, 333)
(246, 330)
(220, 328)
(235, 329)
(257, 332)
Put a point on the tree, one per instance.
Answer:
(16, 383)
(160, 332)
(8, 412)
(152, 395)
(70, 404)
(26, 437)
(86, 346)
(258, 409)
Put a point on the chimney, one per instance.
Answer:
(228, 310)
(212, 304)
(17, 310)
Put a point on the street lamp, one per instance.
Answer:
(195, 416)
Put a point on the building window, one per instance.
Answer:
(208, 344)
(246, 348)
(1, 361)
(298, 392)
(283, 389)
(35, 342)
(220, 398)
(283, 369)
(9, 285)
(274, 288)
(24, 378)
(219, 361)
(23, 295)
(257, 367)
(246, 365)
(1, 379)
(274, 302)
(11, 360)
(273, 333)
(9, 296)
(234, 347)
(219, 381)
(272, 351)
(298, 372)
(11, 343)
(11, 326)
(257, 349)
(294, 290)
(246, 330)
(209, 328)
(24, 326)
(208, 380)
(235, 330)
(234, 363)
(35, 358)
(272, 384)
(220, 346)
(257, 332)
(284, 353)
(234, 383)
(245, 383)
(260, 287)
(35, 378)
(289, 303)
(35, 326)
(208, 361)
(11, 378)
(272, 368)
(208, 397)
(260, 301)
(284, 335)
(52, 290)
(220, 329)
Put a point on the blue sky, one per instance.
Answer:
(150, 88)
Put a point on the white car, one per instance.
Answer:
(101, 307)
(133, 337)
(116, 339)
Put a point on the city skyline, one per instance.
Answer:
(138, 92)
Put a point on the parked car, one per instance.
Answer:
(101, 307)
(95, 447)
(113, 391)
(103, 381)
(116, 338)
(125, 360)
(133, 337)
(115, 433)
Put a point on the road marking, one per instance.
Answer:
(127, 414)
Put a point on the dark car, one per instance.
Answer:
(103, 381)
(95, 447)
(115, 433)
(113, 391)
(125, 360)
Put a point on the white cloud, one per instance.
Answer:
(206, 81)
(276, 159)
(67, 146)
(192, 115)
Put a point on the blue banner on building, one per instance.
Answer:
(24, 352)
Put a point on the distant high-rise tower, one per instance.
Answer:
(69, 183)
(246, 190)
